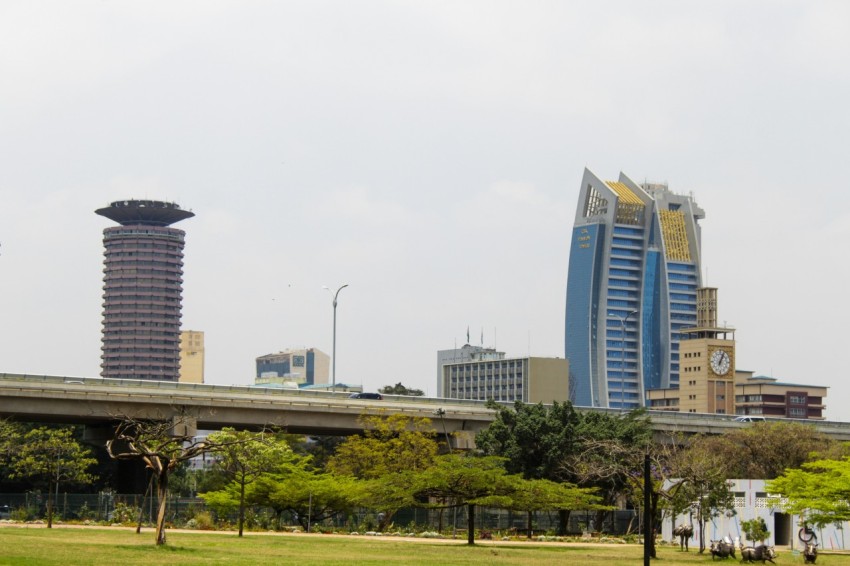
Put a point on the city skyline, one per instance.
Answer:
(427, 155)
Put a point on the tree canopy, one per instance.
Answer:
(390, 447)
(533, 439)
(243, 456)
(469, 481)
(764, 450)
(819, 491)
(50, 456)
(389, 444)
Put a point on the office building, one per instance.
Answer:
(634, 271)
(465, 353)
(530, 380)
(299, 367)
(142, 290)
(191, 356)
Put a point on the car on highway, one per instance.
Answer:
(374, 396)
(749, 419)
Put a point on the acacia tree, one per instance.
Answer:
(469, 480)
(531, 496)
(162, 446)
(50, 456)
(310, 496)
(766, 449)
(390, 445)
(242, 456)
(819, 490)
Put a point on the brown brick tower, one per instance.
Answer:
(142, 290)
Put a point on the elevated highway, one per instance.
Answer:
(97, 401)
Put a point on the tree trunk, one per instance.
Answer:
(162, 494)
(470, 524)
(563, 521)
(655, 521)
(50, 505)
(142, 506)
(385, 518)
(241, 506)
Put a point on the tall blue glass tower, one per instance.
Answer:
(632, 286)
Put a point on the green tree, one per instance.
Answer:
(468, 480)
(242, 456)
(532, 496)
(309, 495)
(534, 439)
(10, 440)
(50, 456)
(819, 490)
(702, 485)
(399, 389)
(561, 444)
(755, 529)
(764, 450)
(609, 449)
(390, 445)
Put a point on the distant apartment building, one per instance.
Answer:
(300, 367)
(769, 397)
(466, 353)
(529, 379)
(754, 395)
(191, 356)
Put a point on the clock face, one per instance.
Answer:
(720, 362)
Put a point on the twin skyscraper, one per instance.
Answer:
(632, 286)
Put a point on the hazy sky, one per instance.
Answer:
(428, 154)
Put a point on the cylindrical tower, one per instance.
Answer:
(142, 290)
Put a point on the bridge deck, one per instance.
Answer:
(96, 400)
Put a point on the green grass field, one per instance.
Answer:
(70, 546)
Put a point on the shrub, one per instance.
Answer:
(203, 521)
(21, 514)
(124, 513)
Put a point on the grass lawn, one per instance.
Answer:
(69, 546)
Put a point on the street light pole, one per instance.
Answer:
(623, 321)
(335, 295)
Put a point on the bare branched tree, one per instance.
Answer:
(162, 445)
